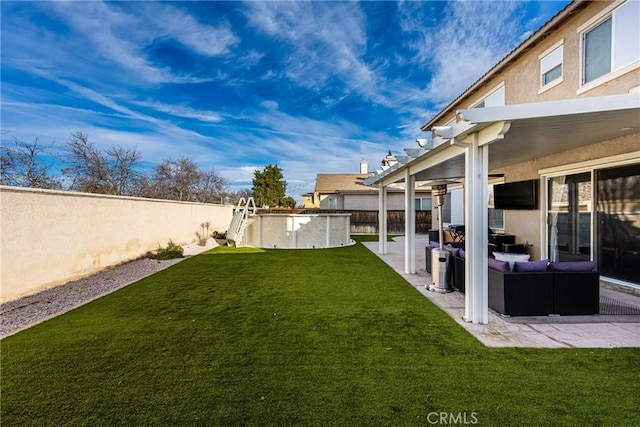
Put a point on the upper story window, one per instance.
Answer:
(551, 66)
(494, 99)
(597, 52)
(611, 41)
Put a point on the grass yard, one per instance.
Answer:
(329, 337)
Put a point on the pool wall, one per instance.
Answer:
(298, 231)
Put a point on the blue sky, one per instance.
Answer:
(314, 87)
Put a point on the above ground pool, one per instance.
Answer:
(298, 231)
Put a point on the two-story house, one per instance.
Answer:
(560, 113)
(346, 192)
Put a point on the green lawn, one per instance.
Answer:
(295, 338)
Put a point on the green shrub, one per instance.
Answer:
(169, 252)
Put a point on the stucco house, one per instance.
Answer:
(347, 192)
(560, 111)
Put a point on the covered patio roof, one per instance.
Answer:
(526, 131)
(487, 139)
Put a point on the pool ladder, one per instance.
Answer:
(235, 234)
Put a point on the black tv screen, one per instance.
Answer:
(521, 195)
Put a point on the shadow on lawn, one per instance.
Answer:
(231, 250)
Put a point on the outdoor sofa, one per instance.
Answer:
(536, 288)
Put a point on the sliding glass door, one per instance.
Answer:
(569, 217)
(618, 192)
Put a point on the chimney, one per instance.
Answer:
(363, 167)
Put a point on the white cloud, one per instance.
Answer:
(119, 37)
(322, 41)
(204, 39)
(462, 44)
(183, 111)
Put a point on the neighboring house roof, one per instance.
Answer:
(352, 183)
(341, 183)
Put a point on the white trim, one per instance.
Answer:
(488, 94)
(410, 224)
(544, 227)
(563, 107)
(551, 61)
(620, 282)
(382, 220)
(553, 84)
(587, 165)
(582, 30)
(551, 49)
(607, 77)
(590, 166)
(601, 16)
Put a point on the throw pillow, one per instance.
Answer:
(573, 266)
(452, 250)
(531, 266)
(494, 264)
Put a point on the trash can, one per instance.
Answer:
(434, 235)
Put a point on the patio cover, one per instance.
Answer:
(489, 138)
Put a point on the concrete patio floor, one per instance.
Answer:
(601, 331)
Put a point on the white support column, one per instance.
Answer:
(382, 220)
(476, 234)
(409, 223)
(469, 238)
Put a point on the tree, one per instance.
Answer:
(234, 197)
(212, 187)
(25, 165)
(107, 172)
(125, 179)
(175, 179)
(289, 202)
(269, 186)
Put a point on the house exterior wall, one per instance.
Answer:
(526, 225)
(365, 202)
(522, 84)
(325, 204)
(361, 202)
(52, 237)
(522, 78)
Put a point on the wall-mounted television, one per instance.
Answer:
(520, 195)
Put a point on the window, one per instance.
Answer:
(496, 216)
(494, 99)
(446, 209)
(423, 204)
(597, 51)
(551, 66)
(333, 203)
(611, 43)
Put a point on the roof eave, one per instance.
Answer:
(537, 37)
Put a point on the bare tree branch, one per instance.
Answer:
(25, 164)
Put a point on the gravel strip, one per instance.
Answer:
(29, 310)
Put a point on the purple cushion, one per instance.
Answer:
(531, 266)
(434, 245)
(452, 250)
(573, 266)
(462, 254)
(494, 264)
